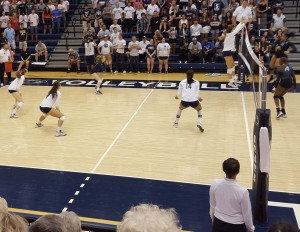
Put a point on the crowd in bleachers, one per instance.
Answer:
(193, 29)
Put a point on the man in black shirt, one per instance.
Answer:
(22, 37)
(3, 40)
(217, 8)
(25, 58)
(22, 8)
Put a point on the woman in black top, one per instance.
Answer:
(227, 21)
(285, 80)
(151, 52)
(25, 58)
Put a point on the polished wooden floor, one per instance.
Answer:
(129, 132)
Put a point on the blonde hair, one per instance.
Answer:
(3, 205)
(71, 221)
(149, 218)
(12, 223)
(48, 223)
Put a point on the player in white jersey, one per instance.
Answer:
(14, 90)
(229, 47)
(189, 92)
(53, 98)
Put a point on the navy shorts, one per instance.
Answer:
(12, 91)
(99, 67)
(193, 104)
(227, 53)
(163, 57)
(45, 110)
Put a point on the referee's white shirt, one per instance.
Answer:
(189, 93)
(49, 101)
(4, 55)
(241, 12)
(230, 202)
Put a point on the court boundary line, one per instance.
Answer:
(120, 133)
(247, 131)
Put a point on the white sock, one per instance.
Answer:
(14, 111)
(200, 117)
(178, 114)
(58, 129)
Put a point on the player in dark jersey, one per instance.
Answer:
(99, 67)
(285, 80)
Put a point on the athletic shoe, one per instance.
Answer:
(284, 115)
(124, 71)
(130, 71)
(98, 92)
(180, 62)
(116, 71)
(233, 85)
(68, 71)
(175, 125)
(1, 84)
(111, 71)
(279, 114)
(78, 71)
(200, 128)
(60, 133)
(238, 82)
(138, 72)
(166, 72)
(13, 116)
(185, 62)
(38, 124)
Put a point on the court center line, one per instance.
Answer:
(120, 133)
(247, 131)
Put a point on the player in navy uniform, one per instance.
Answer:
(99, 67)
(285, 80)
(189, 92)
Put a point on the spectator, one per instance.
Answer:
(151, 53)
(29, 6)
(184, 50)
(4, 19)
(219, 58)
(41, 50)
(3, 205)
(227, 21)
(64, 9)
(157, 37)
(154, 22)
(277, 5)
(163, 53)
(115, 24)
(98, 19)
(14, 21)
(145, 217)
(89, 36)
(283, 226)
(22, 9)
(174, 14)
(51, 5)
(253, 42)
(142, 26)
(103, 32)
(128, 17)
(218, 8)
(71, 221)
(14, 6)
(134, 48)
(195, 30)
(23, 19)
(114, 35)
(242, 12)
(48, 223)
(3, 40)
(89, 53)
(191, 14)
(86, 16)
(12, 222)
(204, 7)
(105, 48)
(215, 28)
(47, 20)
(88, 28)
(10, 34)
(262, 9)
(39, 8)
(142, 52)
(205, 22)
(139, 11)
(163, 26)
(25, 58)
(22, 37)
(117, 13)
(107, 15)
(265, 46)
(184, 32)
(6, 6)
(119, 46)
(234, 213)
(278, 22)
(73, 58)
(56, 20)
(259, 54)
(137, 4)
(33, 19)
(208, 51)
(183, 20)
(67, 5)
(172, 39)
(195, 51)
(151, 9)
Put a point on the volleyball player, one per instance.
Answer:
(189, 92)
(282, 48)
(285, 80)
(229, 46)
(14, 90)
(53, 98)
(100, 66)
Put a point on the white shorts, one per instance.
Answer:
(22, 44)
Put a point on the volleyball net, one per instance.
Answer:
(262, 132)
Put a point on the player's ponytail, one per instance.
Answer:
(53, 90)
(189, 77)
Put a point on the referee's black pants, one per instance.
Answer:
(2, 70)
(220, 226)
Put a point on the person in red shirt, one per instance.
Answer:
(14, 21)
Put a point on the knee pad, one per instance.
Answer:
(230, 70)
(281, 98)
(20, 104)
(62, 118)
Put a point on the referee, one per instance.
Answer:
(4, 55)
(230, 207)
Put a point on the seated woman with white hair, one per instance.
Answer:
(147, 217)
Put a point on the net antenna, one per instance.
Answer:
(252, 63)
